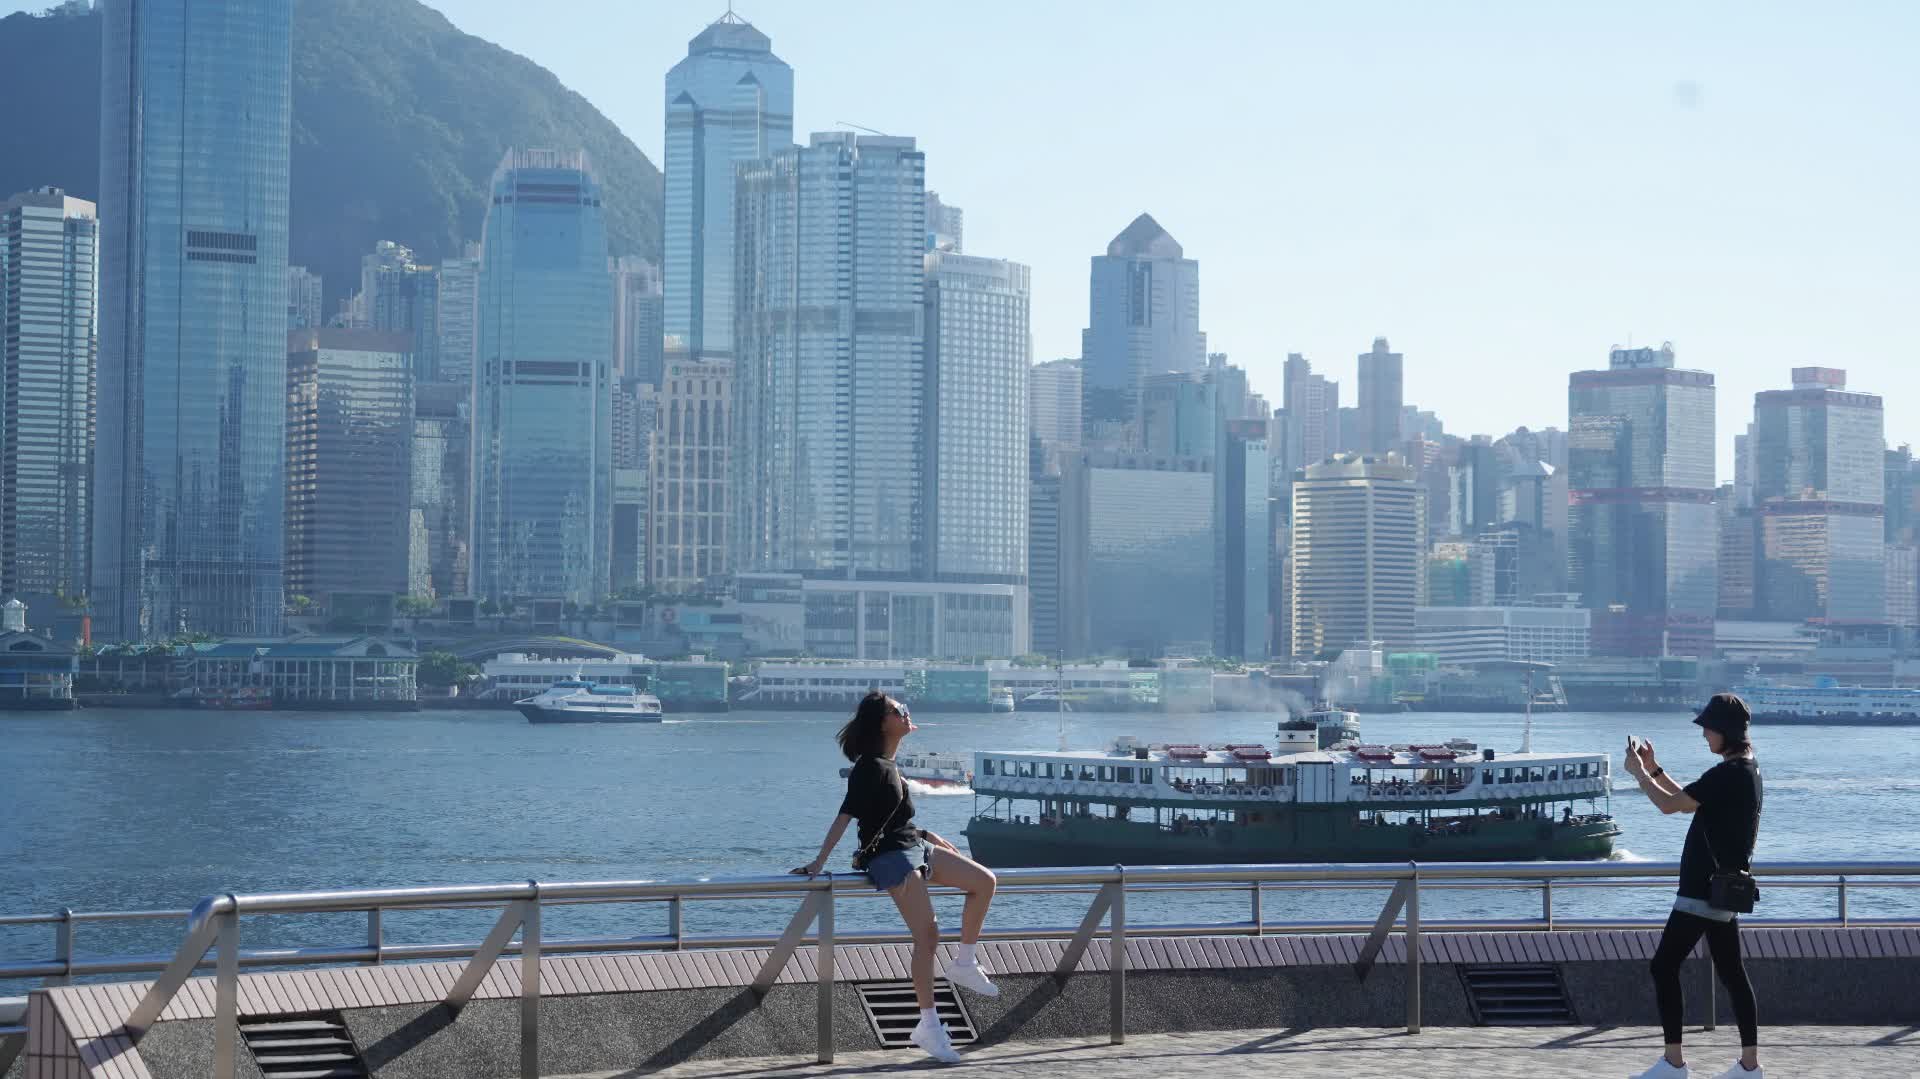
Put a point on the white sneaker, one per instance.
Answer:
(972, 976)
(1663, 1070)
(1739, 1071)
(932, 1037)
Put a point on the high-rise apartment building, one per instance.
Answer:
(1054, 396)
(638, 308)
(543, 387)
(350, 426)
(1143, 319)
(1356, 549)
(1644, 535)
(189, 503)
(400, 295)
(303, 299)
(1381, 398)
(693, 440)
(831, 379)
(978, 355)
(1819, 460)
(48, 264)
(459, 315)
(438, 541)
(1312, 415)
(729, 102)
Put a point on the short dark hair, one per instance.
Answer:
(864, 734)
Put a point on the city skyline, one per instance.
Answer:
(1538, 208)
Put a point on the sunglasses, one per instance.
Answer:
(903, 713)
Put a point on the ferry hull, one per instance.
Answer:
(537, 714)
(1097, 841)
(1843, 719)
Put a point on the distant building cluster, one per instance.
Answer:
(820, 416)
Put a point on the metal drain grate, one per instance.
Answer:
(1517, 995)
(315, 1046)
(893, 1014)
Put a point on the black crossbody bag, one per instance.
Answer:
(1729, 889)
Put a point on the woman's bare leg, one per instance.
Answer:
(951, 870)
(916, 909)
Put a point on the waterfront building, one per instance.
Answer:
(438, 543)
(305, 672)
(638, 319)
(189, 489)
(730, 101)
(1381, 398)
(696, 684)
(693, 440)
(1819, 486)
(350, 424)
(1536, 634)
(1143, 319)
(1644, 535)
(1054, 403)
(36, 674)
(459, 313)
(1356, 548)
(830, 448)
(47, 349)
(543, 390)
(303, 299)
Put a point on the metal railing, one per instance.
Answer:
(212, 935)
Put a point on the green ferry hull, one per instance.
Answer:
(1300, 837)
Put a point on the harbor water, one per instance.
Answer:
(126, 810)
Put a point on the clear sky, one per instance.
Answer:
(1503, 188)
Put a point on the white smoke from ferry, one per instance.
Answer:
(1625, 855)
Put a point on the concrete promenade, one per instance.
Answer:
(1372, 1053)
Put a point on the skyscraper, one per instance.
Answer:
(303, 299)
(1313, 415)
(350, 425)
(1243, 536)
(1143, 319)
(189, 508)
(637, 313)
(1644, 536)
(1381, 398)
(1054, 403)
(459, 314)
(399, 295)
(543, 386)
(440, 513)
(1145, 523)
(693, 439)
(1356, 549)
(946, 225)
(47, 347)
(1179, 415)
(729, 102)
(1819, 460)
(831, 379)
(979, 347)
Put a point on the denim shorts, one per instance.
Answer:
(886, 871)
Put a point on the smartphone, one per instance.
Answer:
(1633, 743)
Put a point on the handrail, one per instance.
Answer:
(212, 925)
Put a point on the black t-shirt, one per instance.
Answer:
(1728, 817)
(877, 797)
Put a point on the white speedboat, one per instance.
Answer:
(579, 701)
(931, 769)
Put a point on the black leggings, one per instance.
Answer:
(1723, 943)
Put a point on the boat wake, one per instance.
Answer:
(1624, 855)
(923, 790)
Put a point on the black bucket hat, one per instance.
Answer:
(1727, 714)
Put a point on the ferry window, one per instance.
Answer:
(1026, 769)
(1086, 775)
(1106, 774)
(1486, 777)
(989, 768)
(1125, 775)
(1539, 775)
(1047, 771)
(1506, 775)
(1553, 775)
(1146, 775)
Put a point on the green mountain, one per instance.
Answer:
(398, 122)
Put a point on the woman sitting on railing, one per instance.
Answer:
(877, 797)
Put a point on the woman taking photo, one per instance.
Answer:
(1715, 882)
(877, 797)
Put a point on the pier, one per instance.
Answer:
(1096, 994)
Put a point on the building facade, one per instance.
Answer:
(1819, 460)
(48, 265)
(1146, 525)
(439, 547)
(400, 295)
(304, 299)
(1381, 398)
(1312, 420)
(1644, 534)
(831, 380)
(1356, 549)
(1143, 319)
(729, 102)
(946, 225)
(543, 389)
(693, 441)
(1243, 534)
(638, 319)
(1461, 635)
(350, 427)
(1054, 403)
(978, 355)
(189, 495)
(459, 315)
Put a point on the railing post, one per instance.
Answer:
(1413, 950)
(1259, 916)
(1843, 901)
(1117, 959)
(376, 936)
(530, 987)
(226, 996)
(62, 949)
(675, 926)
(823, 964)
(1546, 902)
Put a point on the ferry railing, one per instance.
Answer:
(212, 935)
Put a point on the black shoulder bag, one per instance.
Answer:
(1729, 889)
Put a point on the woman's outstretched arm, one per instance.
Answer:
(834, 832)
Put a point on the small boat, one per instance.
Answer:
(1828, 703)
(1002, 700)
(931, 769)
(576, 700)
